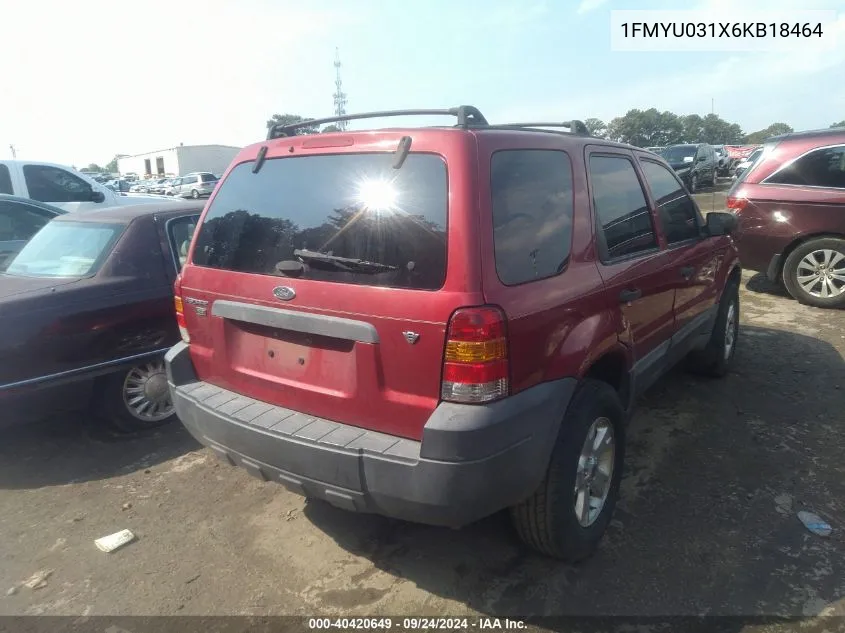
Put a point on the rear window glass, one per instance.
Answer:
(65, 249)
(532, 213)
(208, 177)
(348, 218)
(680, 153)
(753, 160)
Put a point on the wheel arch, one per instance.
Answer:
(614, 368)
(803, 239)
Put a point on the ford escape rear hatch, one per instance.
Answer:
(312, 284)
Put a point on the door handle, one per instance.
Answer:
(687, 272)
(627, 296)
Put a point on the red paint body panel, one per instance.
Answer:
(390, 386)
(777, 216)
(557, 327)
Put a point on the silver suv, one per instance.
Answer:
(196, 185)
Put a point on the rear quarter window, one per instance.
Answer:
(5, 180)
(531, 193)
(347, 218)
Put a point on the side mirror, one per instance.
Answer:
(98, 196)
(720, 223)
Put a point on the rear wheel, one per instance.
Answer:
(568, 514)
(814, 273)
(693, 183)
(136, 399)
(715, 176)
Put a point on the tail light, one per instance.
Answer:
(736, 204)
(475, 360)
(180, 310)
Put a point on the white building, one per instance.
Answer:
(178, 161)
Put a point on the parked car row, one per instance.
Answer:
(194, 185)
(86, 308)
(61, 186)
(696, 164)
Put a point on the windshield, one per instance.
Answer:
(348, 206)
(65, 249)
(679, 153)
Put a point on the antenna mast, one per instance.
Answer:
(339, 95)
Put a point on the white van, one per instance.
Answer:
(60, 186)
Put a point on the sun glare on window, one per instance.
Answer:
(377, 195)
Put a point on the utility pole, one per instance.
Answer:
(339, 95)
(14, 153)
(712, 106)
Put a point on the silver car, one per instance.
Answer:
(196, 185)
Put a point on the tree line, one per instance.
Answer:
(290, 119)
(649, 128)
(643, 128)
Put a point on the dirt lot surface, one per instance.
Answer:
(715, 473)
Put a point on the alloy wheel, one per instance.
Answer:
(595, 471)
(821, 273)
(731, 327)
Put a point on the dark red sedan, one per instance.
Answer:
(791, 210)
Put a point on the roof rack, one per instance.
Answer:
(466, 115)
(575, 126)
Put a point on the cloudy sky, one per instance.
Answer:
(84, 81)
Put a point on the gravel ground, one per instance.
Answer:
(715, 473)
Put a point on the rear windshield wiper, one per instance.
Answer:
(343, 263)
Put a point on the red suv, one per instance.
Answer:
(791, 210)
(438, 323)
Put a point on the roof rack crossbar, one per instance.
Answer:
(466, 115)
(575, 126)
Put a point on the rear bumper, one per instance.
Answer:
(472, 461)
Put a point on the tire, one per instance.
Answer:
(693, 183)
(715, 177)
(115, 392)
(547, 520)
(195, 194)
(715, 359)
(808, 283)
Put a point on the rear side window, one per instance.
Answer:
(346, 218)
(532, 213)
(678, 213)
(621, 208)
(52, 184)
(20, 221)
(208, 177)
(5, 180)
(823, 167)
(179, 233)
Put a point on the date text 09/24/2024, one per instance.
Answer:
(415, 624)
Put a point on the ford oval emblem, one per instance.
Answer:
(284, 293)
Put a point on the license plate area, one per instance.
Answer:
(292, 358)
